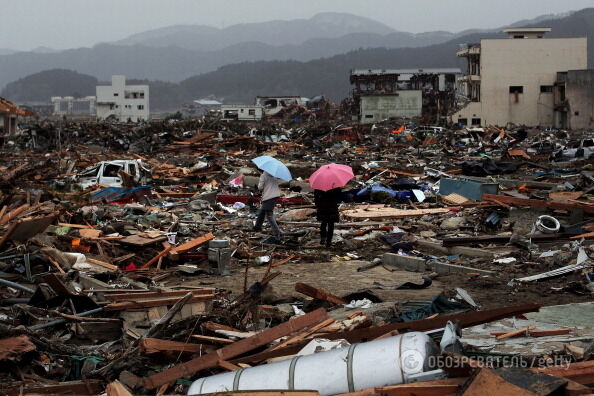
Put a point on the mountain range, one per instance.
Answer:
(313, 57)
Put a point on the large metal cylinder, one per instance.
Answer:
(388, 361)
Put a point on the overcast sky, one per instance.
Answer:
(27, 24)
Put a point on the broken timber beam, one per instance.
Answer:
(230, 351)
(150, 346)
(537, 203)
(319, 294)
(193, 243)
(465, 319)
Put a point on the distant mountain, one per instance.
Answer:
(332, 34)
(40, 87)
(6, 51)
(277, 33)
(240, 81)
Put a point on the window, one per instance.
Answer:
(140, 107)
(516, 89)
(463, 121)
(476, 121)
(368, 115)
(111, 170)
(518, 36)
(132, 169)
(577, 113)
(588, 143)
(241, 110)
(252, 112)
(116, 94)
(90, 173)
(546, 89)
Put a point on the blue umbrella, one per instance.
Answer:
(273, 166)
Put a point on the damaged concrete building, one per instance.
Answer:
(379, 94)
(122, 102)
(574, 99)
(510, 80)
(70, 106)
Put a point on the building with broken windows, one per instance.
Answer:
(379, 94)
(121, 102)
(9, 113)
(242, 112)
(574, 99)
(510, 80)
(70, 106)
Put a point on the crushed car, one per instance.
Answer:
(106, 173)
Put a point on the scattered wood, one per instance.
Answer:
(13, 347)
(320, 294)
(215, 340)
(235, 349)
(103, 264)
(149, 346)
(194, 243)
(515, 333)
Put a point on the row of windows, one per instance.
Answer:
(112, 106)
(519, 89)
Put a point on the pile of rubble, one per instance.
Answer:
(461, 263)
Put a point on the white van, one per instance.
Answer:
(106, 173)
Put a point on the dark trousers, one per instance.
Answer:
(326, 232)
(267, 211)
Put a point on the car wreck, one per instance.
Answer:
(107, 173)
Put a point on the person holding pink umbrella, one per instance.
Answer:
(327, 182)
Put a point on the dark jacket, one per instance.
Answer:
(327, 204)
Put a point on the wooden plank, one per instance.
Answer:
(149, 346)
(140, 241)
(548, 333)
(116, 388)
(103, 264)
(86, 387)
(536, 203)
(587, 235)
(227, 366)
(581, 372)
(391, 213)
(13, 214)
(79, 226)
(304, 334)
(515, 333)
(194, 243)
(320, 294)
(157, 257)
(140, 294)
(124, 305)
(238, 348)
(216, 340)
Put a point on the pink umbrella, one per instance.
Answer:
(331, 176)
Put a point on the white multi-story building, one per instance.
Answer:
(511, 80)
(125, 103)
(69, 105)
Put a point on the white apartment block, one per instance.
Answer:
(68, 105)
(125, 103)
(511, 80)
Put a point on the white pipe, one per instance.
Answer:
(388, 361)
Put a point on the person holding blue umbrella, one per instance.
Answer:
(273, 170)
